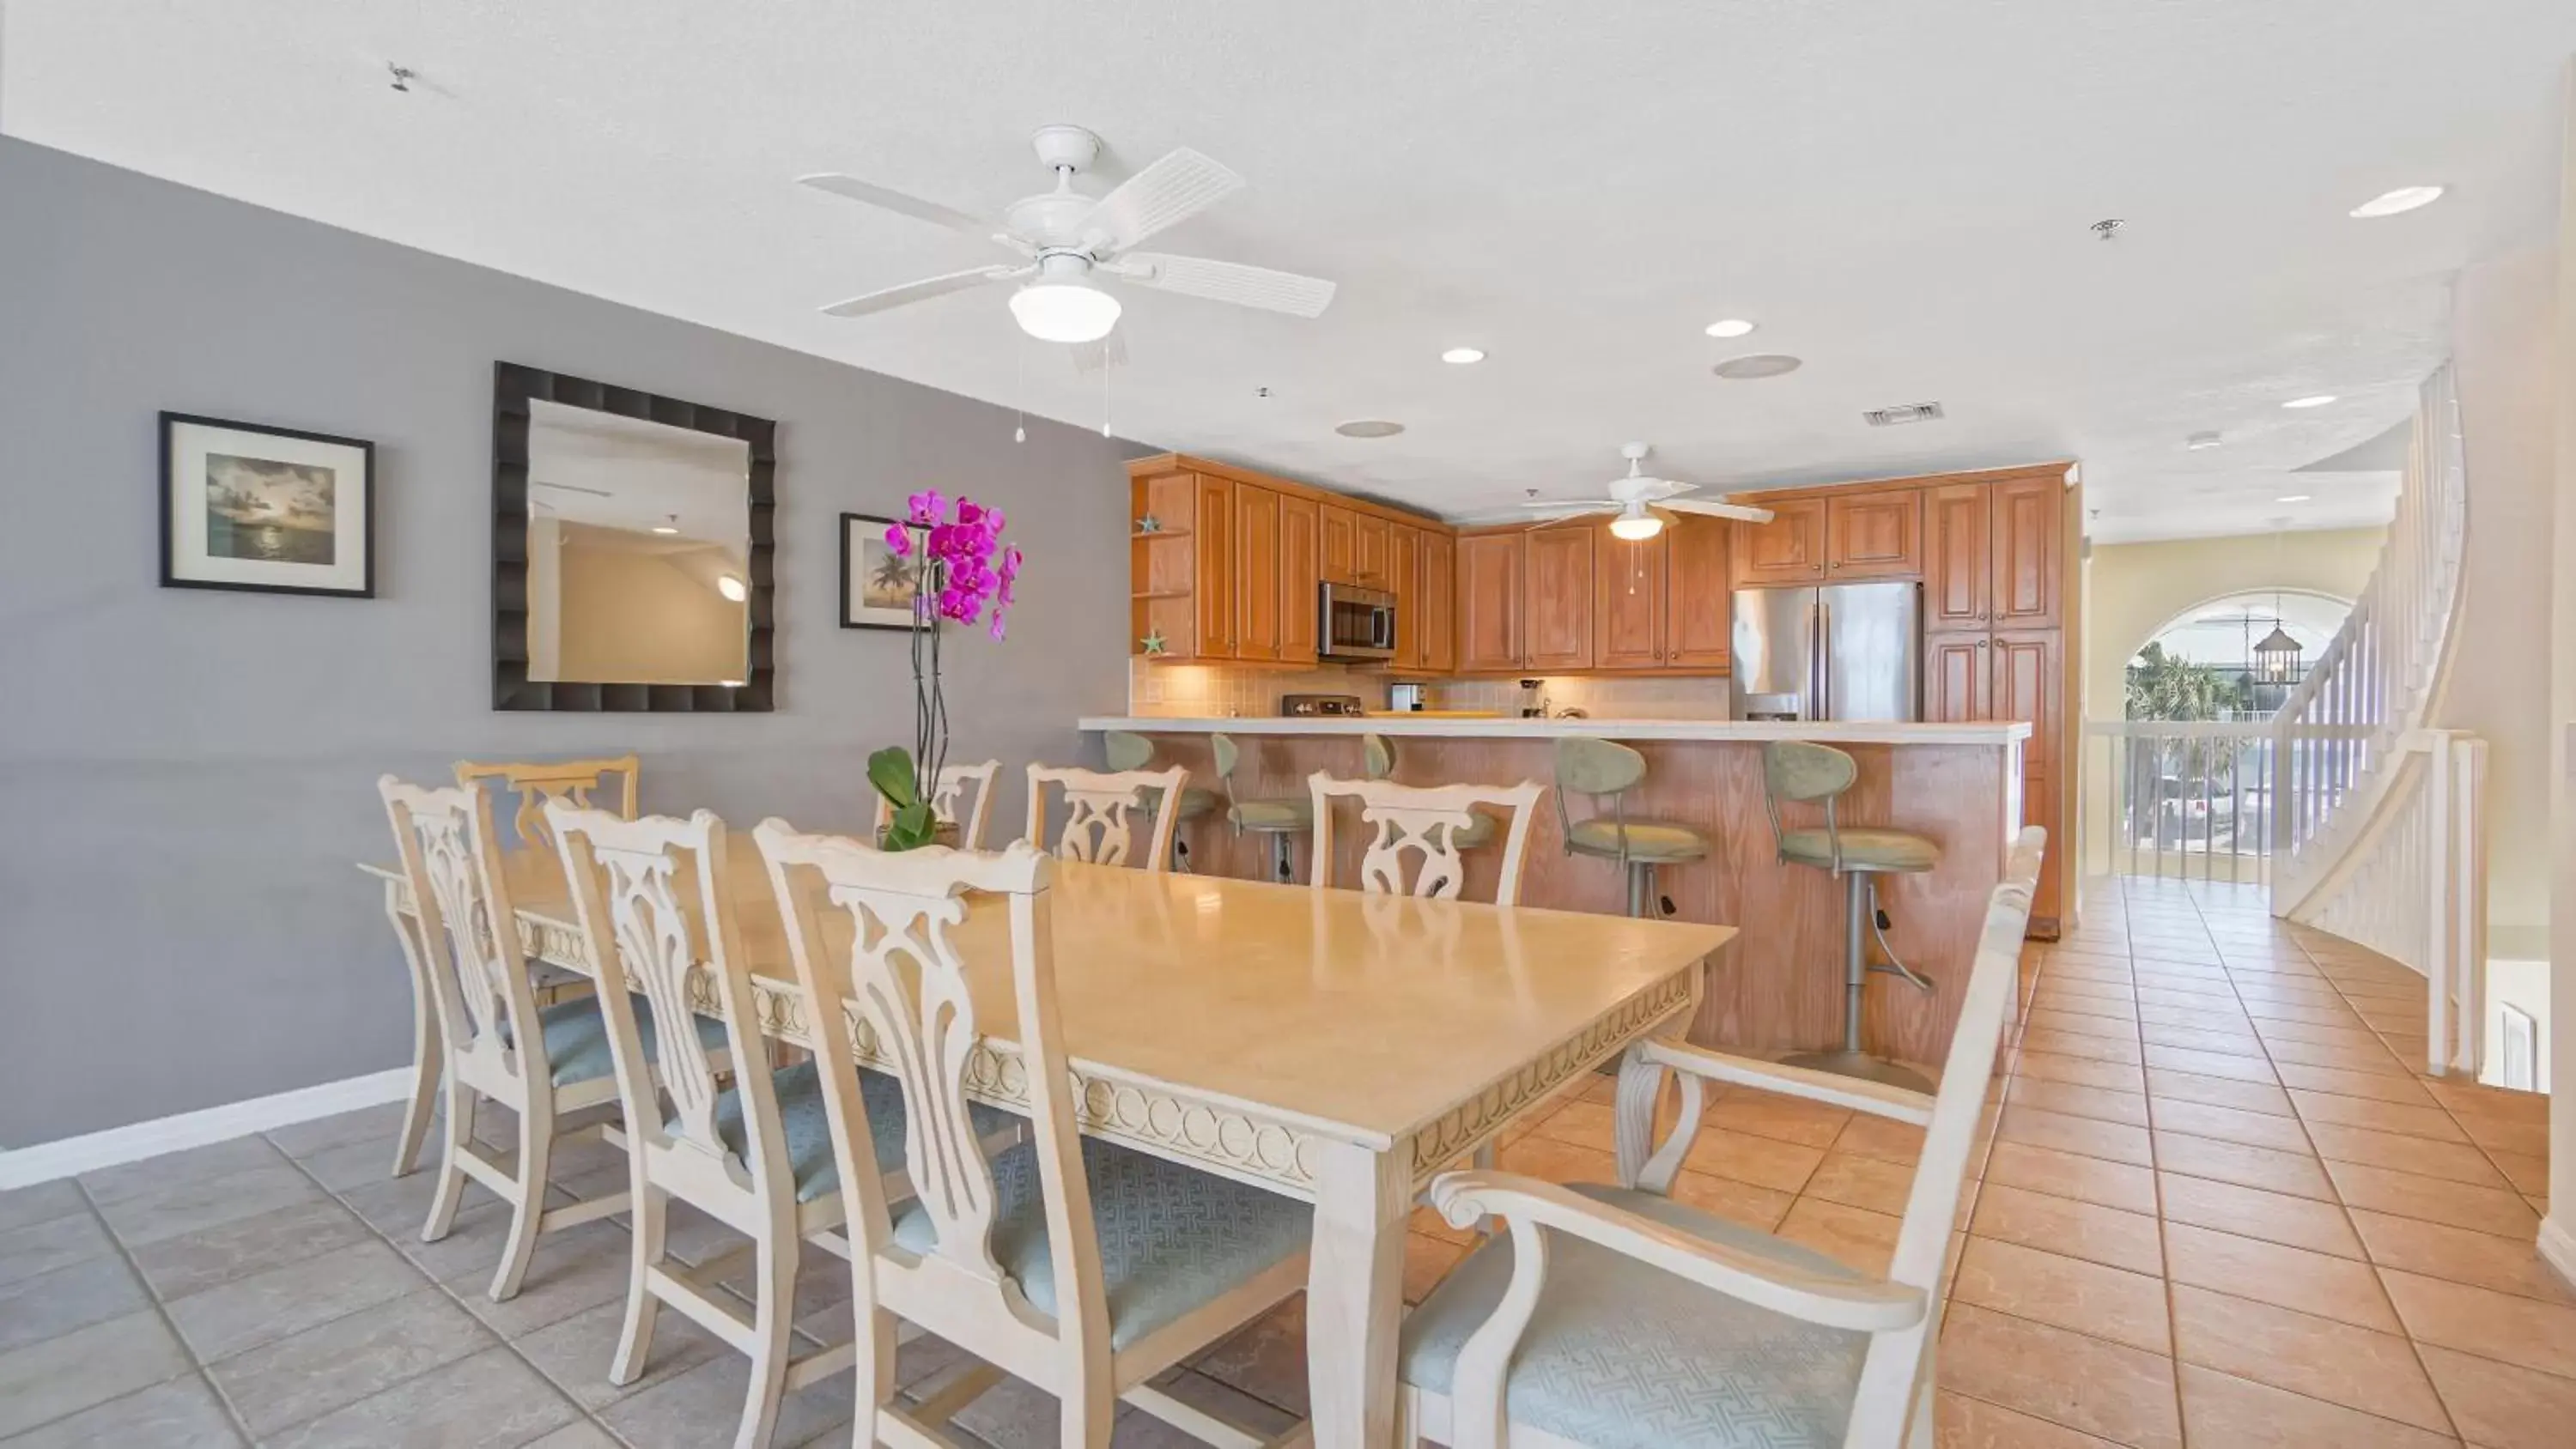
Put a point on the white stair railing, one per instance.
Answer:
(2178, 799)
(2337, 756)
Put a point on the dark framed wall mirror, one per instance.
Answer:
(632, 537)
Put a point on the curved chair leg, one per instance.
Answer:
(423, 1103)
(527, 1217)
(772, 1317)
(456, 1138)
(651, 1208)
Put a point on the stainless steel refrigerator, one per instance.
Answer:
(1841, 651)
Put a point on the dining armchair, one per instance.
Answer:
(534, 784)
(1099, 827)
(497, 1044)
(954, 781)
(1083, 1268)
(1428, 823)
(1612, 1317)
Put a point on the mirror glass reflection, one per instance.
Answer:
(638, 533)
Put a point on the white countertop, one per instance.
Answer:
(1822, 731)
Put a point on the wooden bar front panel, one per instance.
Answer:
(1779, 985)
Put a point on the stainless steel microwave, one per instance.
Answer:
(1355, 623)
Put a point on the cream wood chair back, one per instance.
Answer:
(903, 995)
(650, 897)
(1422, 821)
(1099, 814)
(953, 783)
(538, 783)
(478, 972)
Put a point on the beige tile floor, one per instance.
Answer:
(2219, 1209)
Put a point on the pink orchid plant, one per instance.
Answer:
(960, 568)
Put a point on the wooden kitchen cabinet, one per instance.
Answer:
(1556, 598)
(1438, 610)
(1699, 598)
(1258, 621)
(1957, 543)
(1957, 678)
(1404, 580)
(1213, 531)
(1628, 601)
(1871, 534)
(1790, 549)
(1340, 545)
(2028, 552)
(2025, 687)
(1489, 602)
(1300, 570)
(1373, 540)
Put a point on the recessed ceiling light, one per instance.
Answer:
(2403, 199)
(731, 587)
(2293, 498)
(1756, 365)
(1731, 327)
(1463, 355)
(1369, 428)
(671, 526)
(2318, 401)
(2199, 442)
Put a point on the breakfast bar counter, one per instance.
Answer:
(1779, 985)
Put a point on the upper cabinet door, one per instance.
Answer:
(2029, 542)
(1628, 601)
(1404, 569)
(1341, 545)
(1437, 608)
(1875, 535)
(1489, 602)
(1300, 566)
(1372, 567)
(1699, 602)
(1790, 549)
(1257, 620)
(1955, 531)
(1212, 538)
(1556, 602)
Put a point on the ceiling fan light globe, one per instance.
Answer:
(1064, 311)
(1637, 529)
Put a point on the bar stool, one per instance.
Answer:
(1378, 759)
(1283, 819)
(1801, 771)
(1128, 751)
(1600, 768)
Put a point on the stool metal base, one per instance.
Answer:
(1864, 1066)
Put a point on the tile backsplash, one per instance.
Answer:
(1223, 691)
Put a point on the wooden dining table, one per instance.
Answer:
(1331, 1046)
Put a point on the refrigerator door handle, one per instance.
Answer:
(1824, 661)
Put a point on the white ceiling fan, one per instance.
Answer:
(1068, 239)
(1642, 503)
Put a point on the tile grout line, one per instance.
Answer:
(161, 1310)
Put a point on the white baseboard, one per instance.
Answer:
(136, 1141)
(2558, 1247)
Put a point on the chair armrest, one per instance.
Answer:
(1863, 1305)
(1875, 1098)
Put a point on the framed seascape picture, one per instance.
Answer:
(876, 582)
(265, 509)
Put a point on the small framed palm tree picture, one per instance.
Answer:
(266, 509)
(876, 582)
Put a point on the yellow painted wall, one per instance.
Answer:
(2135, 589)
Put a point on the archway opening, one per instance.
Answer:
(2206, 663)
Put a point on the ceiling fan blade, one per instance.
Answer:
(1575, 505)
(887, 199)
(879, 301)
(1169, 192)
(1738, 511)
(1234, 282)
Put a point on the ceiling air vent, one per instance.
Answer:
(1929, 412)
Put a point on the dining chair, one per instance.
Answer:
(496, 1043)
(1098, 807)
(1428, 822)
(1612, 1316)
(536, 783)
(1128, 750)
(1083, 1268)
(953, 781)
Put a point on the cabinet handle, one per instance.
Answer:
(1981, 643)
(1838, 563)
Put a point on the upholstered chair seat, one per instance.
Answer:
(1650, 840)
(808, 1127)
(1863, 848)
(1272, 815)
(576, 1038)
(1623, 1355)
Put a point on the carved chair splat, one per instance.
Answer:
(1099, 808)
(1423, 822)
(953, 783)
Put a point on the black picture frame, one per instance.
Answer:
(851, 536)
(514, 387)
(172, 578)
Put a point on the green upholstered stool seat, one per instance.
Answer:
(1864, 848)
(1272, 814)
(1652, 840)
(1196, 800)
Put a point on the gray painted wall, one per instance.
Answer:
(185, 776)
